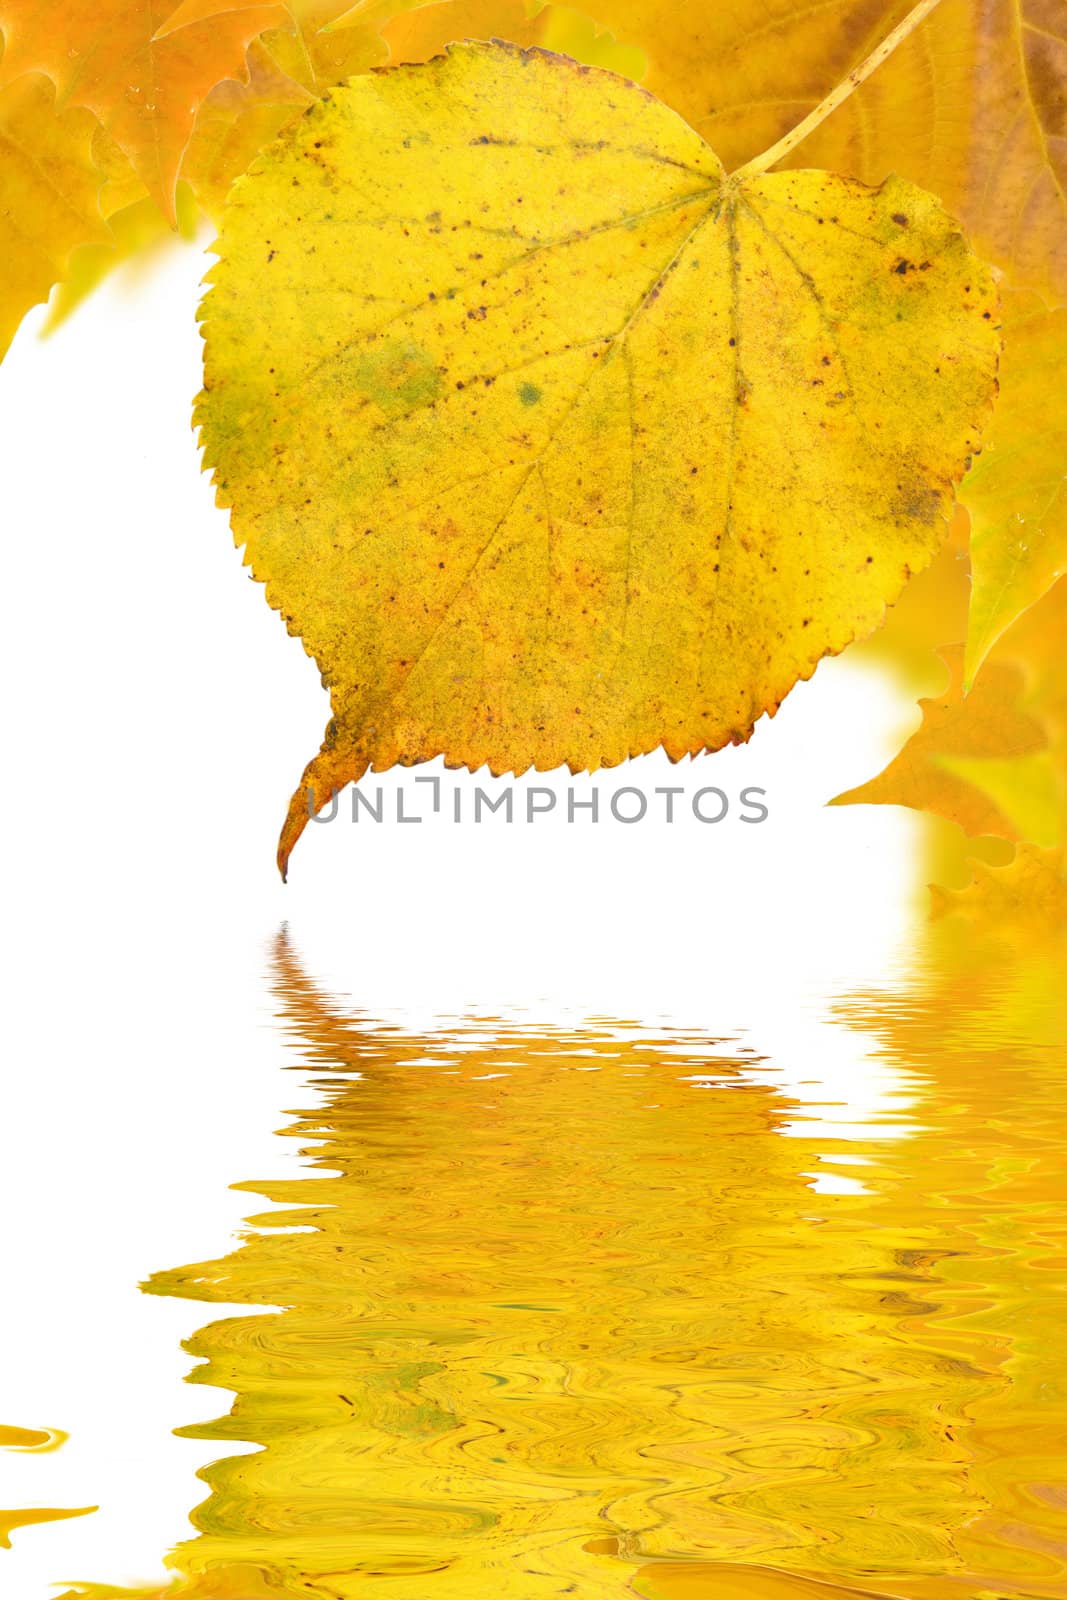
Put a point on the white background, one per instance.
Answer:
(157, 718)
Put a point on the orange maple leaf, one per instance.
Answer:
(143, 71)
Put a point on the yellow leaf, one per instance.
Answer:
(742, 74)
(49, 196)
(122, 186)
(555, 445)
(1035, 645)
(994, 761)
(190, 12)
(1023, 787)
(931, 609)
(1036, 641)
(324, 44)
(972, 106)
(931, 773)
(1016, 492)
(105, 55)
(1029, 893)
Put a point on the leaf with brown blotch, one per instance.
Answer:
(144, 84)
(587, 448)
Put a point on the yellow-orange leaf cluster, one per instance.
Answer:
(106, 109)
(140, 70)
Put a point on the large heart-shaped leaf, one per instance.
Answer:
(556, 444)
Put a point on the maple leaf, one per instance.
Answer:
(1027, 894)
(49, 195)
(1016, 492)
(992, 761)
(142, 84)
(235, 122)
(979, 760)
(288, 68)
(1036, 642)
(587, 448)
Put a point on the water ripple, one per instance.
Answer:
(583, 1311)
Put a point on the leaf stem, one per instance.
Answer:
(838, 96)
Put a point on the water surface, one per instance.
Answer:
(614, 1310)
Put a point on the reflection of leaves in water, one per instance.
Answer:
(568, 1318)
(33, 1441)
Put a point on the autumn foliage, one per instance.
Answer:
(583, 572)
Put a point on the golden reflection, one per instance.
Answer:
(564, 1312)
(33, 1441)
